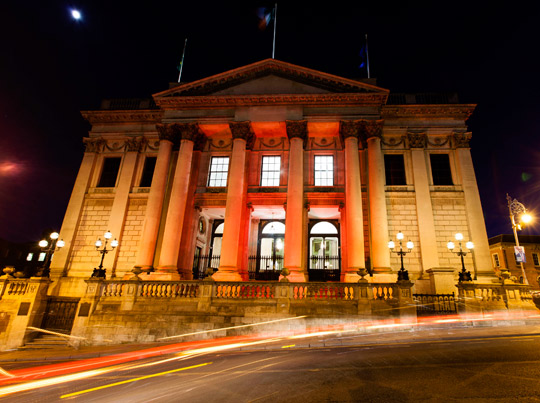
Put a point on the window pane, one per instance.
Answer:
(394, 167)
(440, 169)
(219, 168)
(270, 170)
(148, 172)
(324, 170)
(109, 172)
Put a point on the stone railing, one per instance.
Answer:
(484, 297)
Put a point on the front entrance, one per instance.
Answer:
(268, 263)
(324, 259)
(60, 314)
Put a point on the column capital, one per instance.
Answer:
(372, 128)
(297, 128)
(94, 145)
(417, 139)
(462, 139)
(349, 128)
(243, 130)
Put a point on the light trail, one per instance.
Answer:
(132, 380)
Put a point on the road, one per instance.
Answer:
(441, 367)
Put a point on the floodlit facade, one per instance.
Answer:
(273, 166)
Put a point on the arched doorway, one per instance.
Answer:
(268, 263)
(324, 257)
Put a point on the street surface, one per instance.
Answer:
(449, 364)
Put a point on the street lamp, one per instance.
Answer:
(516, 209)
(464, 275)
(100, 271)
(402, 273)
(49, 249)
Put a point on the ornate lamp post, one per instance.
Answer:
(402, 273)
(464, 275)
(49, 249)
(516, 209)
(100, 271)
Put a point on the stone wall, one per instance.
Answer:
(92, 225)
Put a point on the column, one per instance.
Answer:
(73, 212)
(235, 205)
(378, 216)
(154, 204)
(297, 133)
(424, 209)
(172, 234)
(121, 199)
(356, 260)
(475, 214)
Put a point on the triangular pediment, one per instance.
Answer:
(270, 77)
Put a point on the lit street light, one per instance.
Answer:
(402, 273)
(518, 210)
(49, 249)
(464, 275)
(100, 271)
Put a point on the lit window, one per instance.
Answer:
(148, 172)
(324, 170)
(440, 169)
(394, 168)
(41, 257)
(496, 260)
(536, 260)
(271, 167)
(219, 169)
(29, 257)
(109, 172)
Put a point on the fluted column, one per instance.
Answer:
(297, 133)
(73, 212)
(230, 246)
(424, 208)
(121, 199)
(172, 234)
(475, 214)
(349, 130)
(378, 216)
(154, 204)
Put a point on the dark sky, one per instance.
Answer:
(52, 67)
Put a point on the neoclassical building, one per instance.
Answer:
(271, 166)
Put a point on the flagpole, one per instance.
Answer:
(182, 61)
(275, 21)
(367, 57)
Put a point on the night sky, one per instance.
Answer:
(52, 67)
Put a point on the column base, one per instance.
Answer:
(296, 275)
(163, 273)
(227, 274)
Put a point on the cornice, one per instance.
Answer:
(145, 116)
(366, 99)
(462, 111)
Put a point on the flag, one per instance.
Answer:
(265, 16)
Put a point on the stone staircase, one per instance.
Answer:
(46, 341)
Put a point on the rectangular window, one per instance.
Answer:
(394, 168)
(219, 168)
(109, 173)
(29, 257)
(324, 170)
(440, 170)
(41, 257)
(496, 262)
(148, 172)
(536, 260)
(271, 168)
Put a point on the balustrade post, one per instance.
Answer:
(407, 306)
